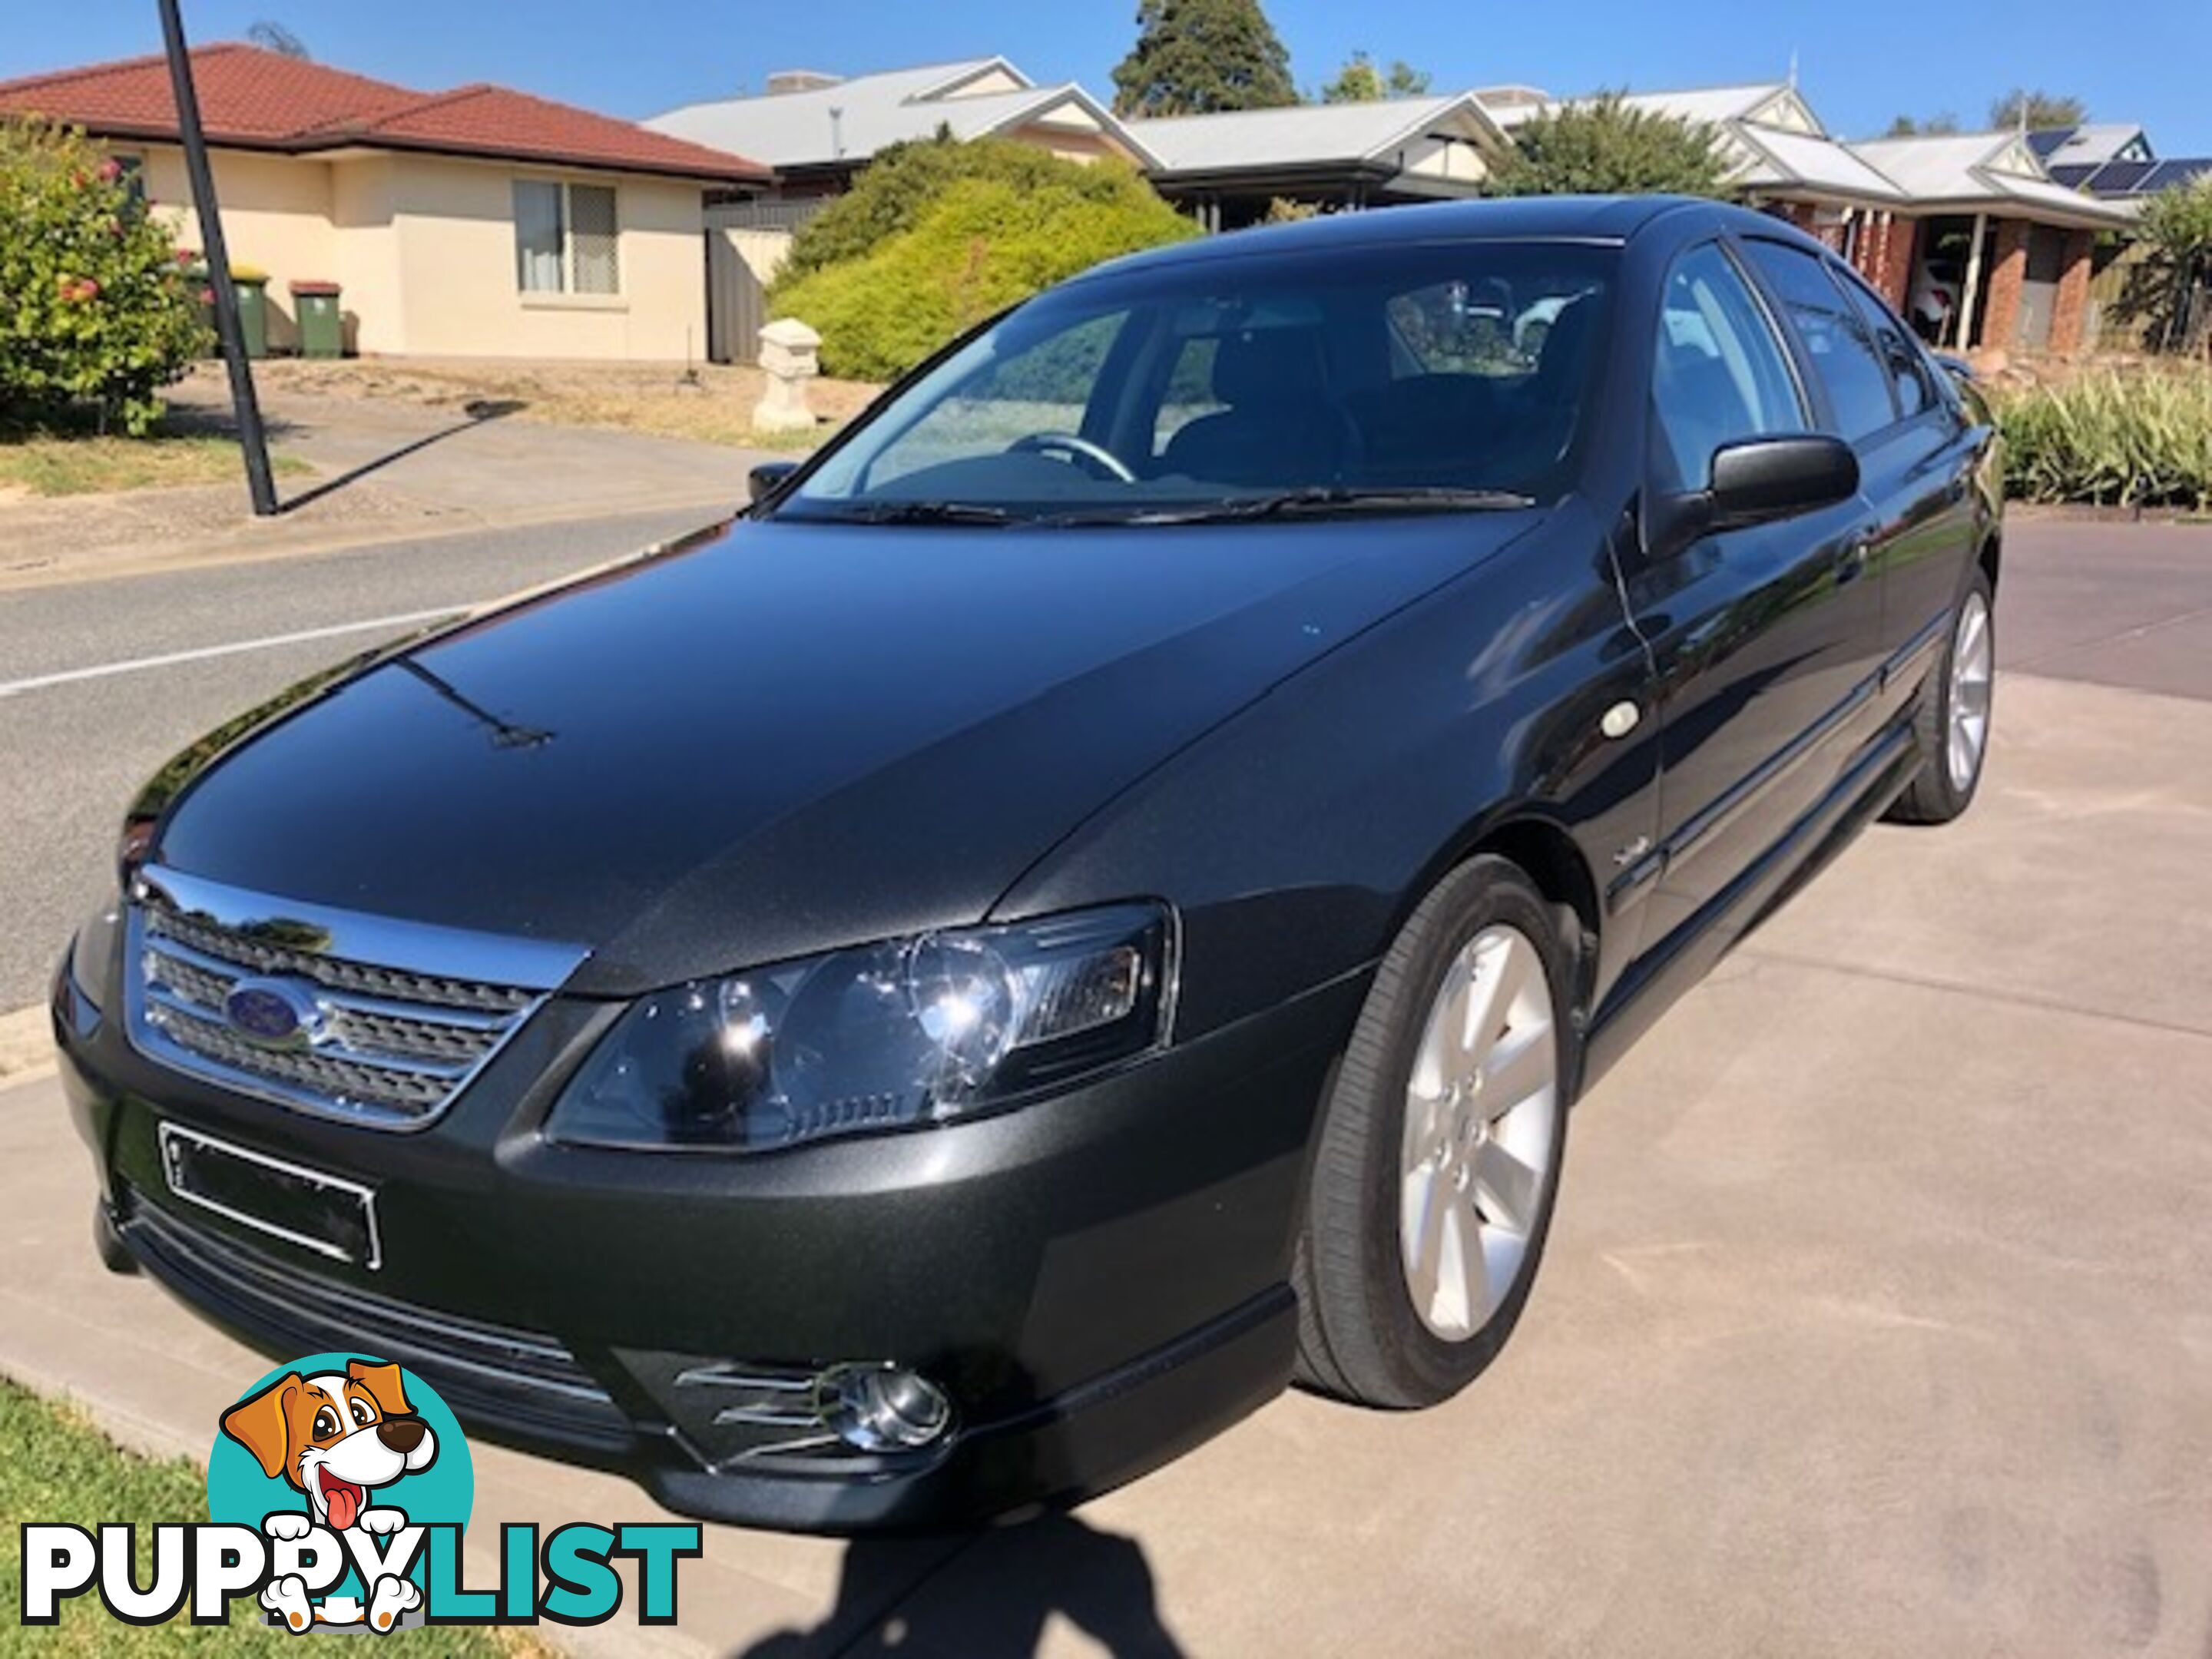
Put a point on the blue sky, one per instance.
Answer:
(1860, 63)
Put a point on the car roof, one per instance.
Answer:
(1602, 219)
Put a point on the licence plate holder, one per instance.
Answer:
(324, 1214)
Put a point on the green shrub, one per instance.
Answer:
(2138, 439)
(2172, 264)
(1605, 146)
(93, 304)
(978, 244)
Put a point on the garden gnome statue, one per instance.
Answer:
(787, 358)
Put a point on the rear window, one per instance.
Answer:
(1843, 349)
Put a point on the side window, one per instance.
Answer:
(1910, 379)
(1718, 374)
(1843, 352)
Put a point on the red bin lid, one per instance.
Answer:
(331, 288)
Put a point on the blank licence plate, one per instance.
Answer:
(323, 1213)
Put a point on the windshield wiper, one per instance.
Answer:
(1336, 498)
(921, 512)
(1318, 498)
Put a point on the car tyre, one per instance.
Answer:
(1437, 1164)
(1951, 722)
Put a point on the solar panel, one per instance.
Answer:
(2164, 175)
(2044, 142)
(2071, 175)
(2122, 178)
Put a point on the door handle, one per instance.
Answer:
(1851, 561)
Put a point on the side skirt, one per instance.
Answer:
(1653, 984)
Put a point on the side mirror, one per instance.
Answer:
(1764, 479)
(765, 480)
(1759, 481)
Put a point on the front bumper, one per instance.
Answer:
(1097, 1281)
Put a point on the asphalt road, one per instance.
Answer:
(73, 750)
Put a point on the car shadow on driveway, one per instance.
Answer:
(993, 1595)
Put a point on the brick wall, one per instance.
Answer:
(2006, 269)
(1884, 255)
(1895, 281)
(2069, 309)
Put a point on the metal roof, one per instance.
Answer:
(1301, 135)
(1813, 162)
(1988, 170)
(2093, 142)
(849, 121)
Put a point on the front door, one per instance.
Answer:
(1763, 637)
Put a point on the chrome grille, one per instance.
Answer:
(259, 956)
(387, 1032)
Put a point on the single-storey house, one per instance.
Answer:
(818, 131)
(479, 222)
(1968, 234)
(1228, 168)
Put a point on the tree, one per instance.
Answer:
(1360, 82)
(2043, 110)
(1602, 146)
(1935, 126)
(1194, 57)
(2174, 266)
(275, 37)
(95, 311)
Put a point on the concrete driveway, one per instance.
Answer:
(1876, 1320)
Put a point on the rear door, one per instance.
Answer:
(1763, 635)
(1920, 476)
(1916, 453)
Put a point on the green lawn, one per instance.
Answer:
(75, 465)
(58, 1467)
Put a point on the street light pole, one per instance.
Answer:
(250, 437)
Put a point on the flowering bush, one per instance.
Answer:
(94, 306)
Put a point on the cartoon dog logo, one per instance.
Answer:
(337, 1436)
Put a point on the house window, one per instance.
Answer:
(566, 238)
(131, 170)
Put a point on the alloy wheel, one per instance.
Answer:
(1482, 1105)
(1971, 666)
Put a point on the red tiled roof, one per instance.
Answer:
(264, 100)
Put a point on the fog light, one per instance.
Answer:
(881, 1409)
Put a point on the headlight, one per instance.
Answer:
(916, 1030)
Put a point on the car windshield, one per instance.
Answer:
(1421, 377)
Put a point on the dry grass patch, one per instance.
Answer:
(65, 465)
(715, 407)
